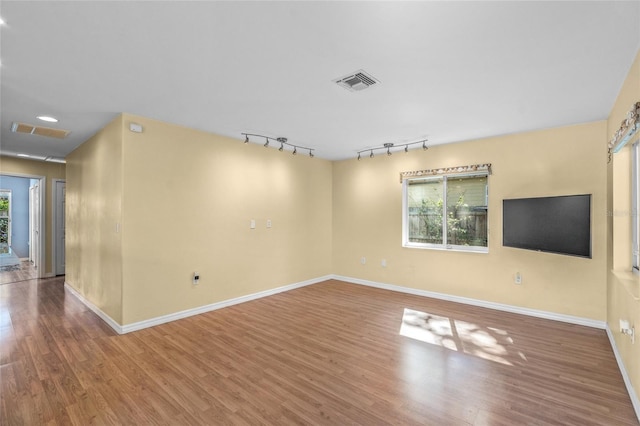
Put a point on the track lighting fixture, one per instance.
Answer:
(388, 146)
(282, 141)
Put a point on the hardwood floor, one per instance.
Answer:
(25, 271)
(331, 353)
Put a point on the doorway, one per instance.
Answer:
(59, 225)
(26, 232)
(34, 224)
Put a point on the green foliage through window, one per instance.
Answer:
(4, 218)
(465, 211)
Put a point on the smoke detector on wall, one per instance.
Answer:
(356, 81)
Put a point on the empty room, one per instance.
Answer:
(319, 213)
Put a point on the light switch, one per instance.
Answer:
(268, 223)
(252, 224)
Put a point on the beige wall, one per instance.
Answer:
(50, 171)
(623, 298)
(93, 212)
(367, 222)
(147, 210)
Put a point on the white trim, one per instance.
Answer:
(453, 248)
(625, 376)
(482, 303)
(123, 329)
(106, 318)
(48, 275)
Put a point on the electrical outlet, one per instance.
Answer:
(518, 278)
(363, 260)
(384, 263)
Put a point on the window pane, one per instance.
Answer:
(467, 211)
(425, 210)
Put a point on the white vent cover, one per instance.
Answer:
(356, 81)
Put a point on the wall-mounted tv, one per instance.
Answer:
(559, 225)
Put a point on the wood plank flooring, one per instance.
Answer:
(25, 271)
(326, 354)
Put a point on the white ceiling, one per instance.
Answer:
(448, 71)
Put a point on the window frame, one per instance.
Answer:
(635, 200)
(444, 246)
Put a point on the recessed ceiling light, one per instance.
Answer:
(47, 118)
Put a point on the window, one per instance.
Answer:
(459, 223)
(5, 217)
(635, 199)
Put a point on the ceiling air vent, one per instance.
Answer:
(356, 81)
(31, 129)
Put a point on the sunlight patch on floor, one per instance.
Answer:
(484, 342)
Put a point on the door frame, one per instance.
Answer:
(54, 229)
(43, 213)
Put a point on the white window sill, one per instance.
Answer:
(630, 281)
(458, 249)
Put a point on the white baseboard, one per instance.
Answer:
(106, 318)
(48, 275)
(122, 329)
(475, 302)
(218, 305)
(625, 376)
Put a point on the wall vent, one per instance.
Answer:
(357, 81)
(31, 129)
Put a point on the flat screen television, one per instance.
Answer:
(559, 225)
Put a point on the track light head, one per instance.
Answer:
(389, 145)
(281, 140)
